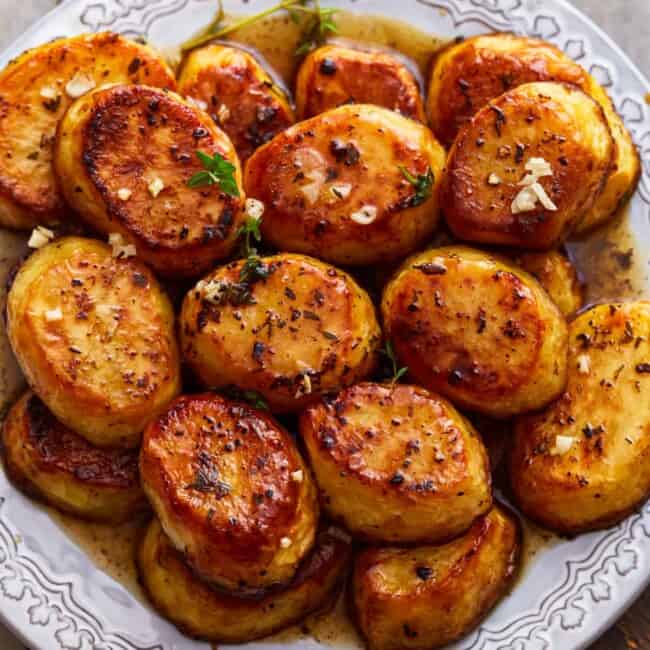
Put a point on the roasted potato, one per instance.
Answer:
(206, 613)
(466, 76)
(397, 464)
(52, 463)
(557, 275)
(478, 330)
(428, 596)
(231, 491)
(356, 185)
(239, 94)
(625, 175)
(124, 156)
(581, 463)
(528, 167)
(334, 75)
(35, 90)
(304, 329)
(94, 336)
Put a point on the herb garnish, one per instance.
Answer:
(253, 268)
(218, 171)
(398, 372)
(318, 25)
(423, 185)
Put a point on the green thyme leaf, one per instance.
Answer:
(389, 353)
(218, 171)
(422, 183)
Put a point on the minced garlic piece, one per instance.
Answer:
(156, 186)
(562, 445)
(199, 103)
(494, 179)
(79, 85)
(48, 92)
(532, 191)
(223, 113)
(285, 542)
(39, 237)
(583, 364)
(365, 216)
(297, 476)
(52, 315)
(124, 194)
(341, 190)
(120, 248)
(312, 190)
(254, 208)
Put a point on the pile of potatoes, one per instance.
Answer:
(291, 433)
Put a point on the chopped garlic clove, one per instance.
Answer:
(297, 476)
(124, 194)
(562, 445)
(52, 315)
(48, 92)
(539, 167)
(493, 179)
(156, 186)
(39, 237)
(199, 103)
(254, 209)
(583, 364)
(79, 85)
(285, 542)
(365, 216)
(525, 201)
(120, 248)
(543, 197)
(223, 113)
(341, 190)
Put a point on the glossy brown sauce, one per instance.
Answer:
(612, 262)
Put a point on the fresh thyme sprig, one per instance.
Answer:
(423, 185)
(253, 268)
(218, 171)
(318, 25)
(398, 372)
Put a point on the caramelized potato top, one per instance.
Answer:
(234, 88)
(35, 91)
(231, 491)
(94, 336)
(55, 448)
(527, 167)
(124, 157)
(305, 329)
(337, 186)
(334, 75)
(469, 74)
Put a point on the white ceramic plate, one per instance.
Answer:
(53, 596)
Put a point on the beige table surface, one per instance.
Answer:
(628, 22)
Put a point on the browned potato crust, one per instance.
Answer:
(467, 75)
(557, 275)
(33, 98)
(476, 329)
(306, 329)
(238, 93)
(205, 613)
(582, 463)
(52, 463)
(428, 596)
(116, 143)
(95, 338)
(334, 75)
(334, 185)
(397, 464)
(231, 491)
(553, 124)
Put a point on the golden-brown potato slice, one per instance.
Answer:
(625, 175)
(124, 156)
(35, 90)
(582, 463)
(334, 75)
(397, 464)
(304, 330)
(429, 596)
(478, 330)
(95, 338)
(528, 166)
(231, 491)
(337, 186)
(467, 75)
(52, 463)
(557, 275)
(239, 94)
(202, 612)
